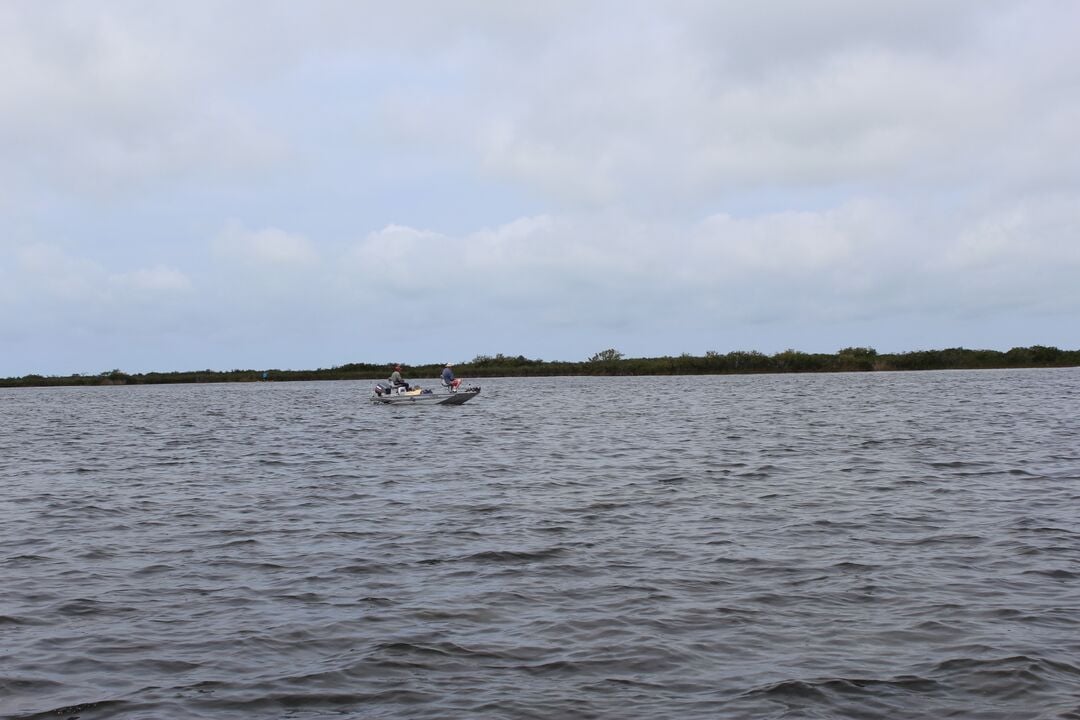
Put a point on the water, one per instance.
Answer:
(785, 546)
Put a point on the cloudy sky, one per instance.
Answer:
(306, 184)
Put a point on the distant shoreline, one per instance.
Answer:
(608, 362)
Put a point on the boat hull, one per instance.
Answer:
(425, 398)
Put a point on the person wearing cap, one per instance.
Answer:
(395, 378)
(448, 378)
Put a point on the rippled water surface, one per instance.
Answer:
(902, 545)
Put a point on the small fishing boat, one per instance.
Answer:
(384, 394)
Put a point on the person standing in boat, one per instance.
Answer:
(395, 378)
(448, 378)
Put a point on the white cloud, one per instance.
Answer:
(1026, 255)
(653, 112)
(857, 260)
(48, 275)
(268, 246)
(596, 104)
(156, 279)
(97, 102)
(51, 274)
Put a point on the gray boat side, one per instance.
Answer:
(384, 394)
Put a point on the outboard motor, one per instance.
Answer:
(382, 389)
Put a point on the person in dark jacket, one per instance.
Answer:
(448, 378)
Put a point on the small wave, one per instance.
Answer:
(854, 567)
(836, 697)
(370, 568)
(339, 704)
(672, 479)
(69, 712)
(1010, 678)
(1057, 574)
(606, 505)
(87, 606)
(837, 524)
(170, 667)
(235, 543)
(27, 686)
(441, 649)
(1065, 532)
(155, 569)
(514, 556)
(955, 464)
(376, 601)
(552, 529)
(947, 539)
(16, 620)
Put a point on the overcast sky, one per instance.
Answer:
(305, 184)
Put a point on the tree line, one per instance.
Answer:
(608, 362)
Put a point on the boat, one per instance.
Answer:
(384, 394)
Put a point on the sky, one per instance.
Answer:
(274, 184)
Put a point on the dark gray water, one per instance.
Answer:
(790, 546)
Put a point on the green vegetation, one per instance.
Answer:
(611, 362)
